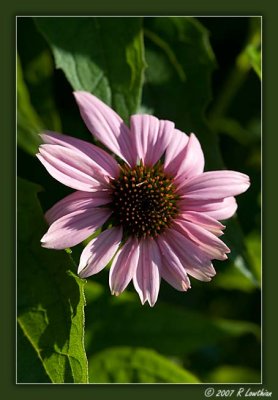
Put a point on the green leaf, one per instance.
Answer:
(178, 88)
(255, 251)
(234, 374)
(173, 331)
(50, 299)
(135, 365)
(103, 56)
(254, 54)
(178, 83)
(38, 72)
(29, 124)
(29, 366)
(231, 278)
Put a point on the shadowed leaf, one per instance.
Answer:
(110, 67)
(28, 122)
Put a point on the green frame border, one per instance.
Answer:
(124, 7)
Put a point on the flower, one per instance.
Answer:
(159, 211)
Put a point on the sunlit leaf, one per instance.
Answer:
(103, 56)
(135, 365)
(234, 374)
(50, 299)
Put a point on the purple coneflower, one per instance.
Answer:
(158, 209)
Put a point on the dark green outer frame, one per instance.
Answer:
(13, 8)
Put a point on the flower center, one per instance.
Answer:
(144, 200)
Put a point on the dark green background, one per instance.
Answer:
(9, 389)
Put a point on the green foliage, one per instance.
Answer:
(234, 374)
(182, 91)
(28, 121)
(178, 86)
(171, 331)
(50, 300)
(135, 365)
(104, 56)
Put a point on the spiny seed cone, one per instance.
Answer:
(144, 200)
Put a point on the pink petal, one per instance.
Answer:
(76, 201)
(102, 159)
(215, 185)
(206, 241)
(71, 168)
(218, 209)
(124, 266)
(204, 221)
(194, 260)
(193, 161)
(174, 152)
(72, 228)
(189, 162)
(99, 252)
(151, 136)
(171, 268)
(146, 279)
(106, 126)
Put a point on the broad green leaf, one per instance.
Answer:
(178, 88)
(28, 122)
(173, 331)
(135, 365)
(234, 374)
(103, 56)
(29, 366)
(50, 298)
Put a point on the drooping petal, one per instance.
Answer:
(203, 220)
(219, 209)
(106, 125)
(124, 266)
(99, 252)
(146, 279)
(215, 185)
(76, 201)
(194, 260)
(188, 163)
(206, 241)
(102, 159)
(171, 268)
(71, 168)
(151, 136)
(72, 228)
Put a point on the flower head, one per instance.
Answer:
(160, 209)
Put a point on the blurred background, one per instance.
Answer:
(205, 75)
